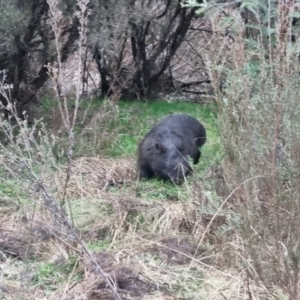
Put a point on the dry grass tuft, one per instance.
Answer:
(147, 269)
(127, 279)
(176, 250)
(31, 234)
(92, 174)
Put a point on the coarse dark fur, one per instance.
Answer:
(165, 149)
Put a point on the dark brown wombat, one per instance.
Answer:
(165, 149)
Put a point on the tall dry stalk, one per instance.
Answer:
(82, 14)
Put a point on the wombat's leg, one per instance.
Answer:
(146, 172)
(197, 156)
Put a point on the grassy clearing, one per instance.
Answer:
(136, 119)
(115, 131)
(147, 230)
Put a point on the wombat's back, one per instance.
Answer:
(183, 125)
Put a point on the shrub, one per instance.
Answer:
(259, 125)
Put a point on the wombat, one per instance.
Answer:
(165, 149)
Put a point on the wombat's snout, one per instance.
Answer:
(180, 173)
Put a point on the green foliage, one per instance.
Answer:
(12, 18)
(12, 190)
(48, 104)
(202, 8)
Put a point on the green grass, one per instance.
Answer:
(12, 189)
(136, 119)
(121, 135)
(85, 213)
(155, 190)
(49, 275)
(99, 245)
